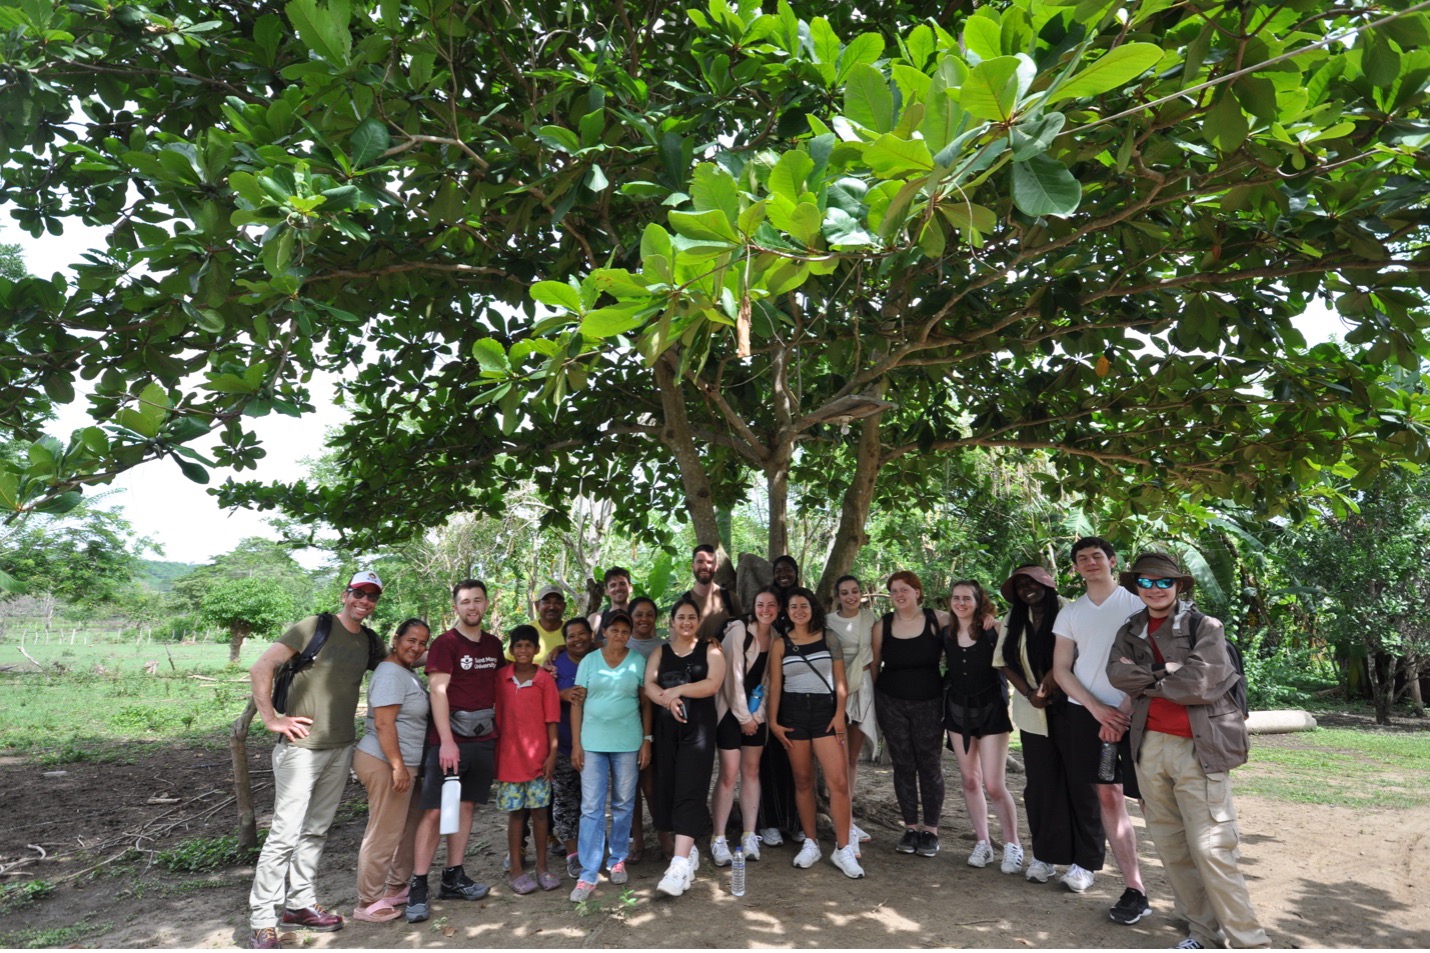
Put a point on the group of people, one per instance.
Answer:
(572, 720)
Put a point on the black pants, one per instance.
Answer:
(777, 806)
(684, 759)
(1067, 810)
(913, 734)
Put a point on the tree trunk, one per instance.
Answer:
(237, 632)
(1413, 665)
(242, 783)
(850, 537)
(777, 487)
(675, 434)
(1382, 686)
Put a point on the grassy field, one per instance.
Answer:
(1340, 766)
(92, 696)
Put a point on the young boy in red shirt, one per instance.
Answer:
(528, 710)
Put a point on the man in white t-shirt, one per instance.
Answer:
(1098, 713)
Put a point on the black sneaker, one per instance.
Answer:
(909, 842)
(1132, 907)
(928, 844)
(456, 885)
(418, 906)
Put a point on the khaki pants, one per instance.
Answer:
(307, 788)
(1192, 821)
(385, 858)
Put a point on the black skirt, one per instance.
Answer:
(975, 717)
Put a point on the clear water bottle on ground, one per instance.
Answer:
(737, 873)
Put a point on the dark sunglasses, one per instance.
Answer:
(1144, 583)
(367, 594)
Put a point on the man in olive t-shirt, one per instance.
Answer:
(312, 759)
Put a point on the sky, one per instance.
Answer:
(180, 515)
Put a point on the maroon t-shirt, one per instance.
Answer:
(473, 667)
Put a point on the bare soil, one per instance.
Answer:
(1320, 876)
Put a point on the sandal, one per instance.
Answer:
(637, 848)
(548, 880)
(524, 884)
(398, 899)
(375, 912)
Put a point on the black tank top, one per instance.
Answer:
(674, 670)
(971, 674)
(909, 667)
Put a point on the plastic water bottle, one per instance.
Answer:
(737, 873)
(756, 697)
(1107, 762)
(451, 817)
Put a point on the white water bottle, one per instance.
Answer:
(451, 817)
(737, 873)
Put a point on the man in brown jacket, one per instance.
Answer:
(1187, 735)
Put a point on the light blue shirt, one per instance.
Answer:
(611, 714)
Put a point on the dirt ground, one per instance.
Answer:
(1320, 876)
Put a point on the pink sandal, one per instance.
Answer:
(524, 884)
(379, 911)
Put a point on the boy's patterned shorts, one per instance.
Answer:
(522, 795)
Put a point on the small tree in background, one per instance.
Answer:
(245, 607)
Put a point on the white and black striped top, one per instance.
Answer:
(808, 669)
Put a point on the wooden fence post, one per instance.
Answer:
(242, 783)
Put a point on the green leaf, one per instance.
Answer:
(58, 387)
(710, 226)
(559, 138)
(712, 188)
(841, 228)
(1224, 125)
(864, 49)
(1112, 70)
(324, 30)
(9, 491)
(868, 100)
(369, 141)
(1036, 136)
(491, 356)
(994, 87)
(557, 294)
(982, 34)
(787, 178)
(609, 322)
(1257, 96)
(1044, 186)
(889, 155)
(194, 471)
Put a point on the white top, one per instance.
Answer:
(855, 646)
(1093, 628)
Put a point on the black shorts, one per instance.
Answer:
(986, 716)
(729, 737)
(806, 716)
(1085, 750)
(477, 768)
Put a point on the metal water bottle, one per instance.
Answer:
(451, 817)
(1107, 762)
(737, 873)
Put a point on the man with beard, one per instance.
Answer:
(462, 666)
(312, 758)
(716, 603)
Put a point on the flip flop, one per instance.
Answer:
(548, 880)
(398, 899)
(524, 884)
(376, 912)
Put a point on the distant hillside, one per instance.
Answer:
(159, 575)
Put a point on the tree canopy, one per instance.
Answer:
(647, 253)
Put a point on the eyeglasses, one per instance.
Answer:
(1144, 583)
(367, 594)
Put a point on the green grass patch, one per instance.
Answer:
(1341, 767)
(19, 895)
(39, 939)
(205, 853)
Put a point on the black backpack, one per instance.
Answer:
(283, 679)
(1238, 690)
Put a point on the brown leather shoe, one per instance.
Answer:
(313, 918)
(265, 939)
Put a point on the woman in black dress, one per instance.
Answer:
(976, 716)
(681, 679)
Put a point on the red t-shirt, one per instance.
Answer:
(473, 667)
(522, 716)
(1165, 716)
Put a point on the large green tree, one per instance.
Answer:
(797, 242)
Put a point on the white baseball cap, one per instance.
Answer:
(365, 578)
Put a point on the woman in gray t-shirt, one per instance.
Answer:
(397, 710)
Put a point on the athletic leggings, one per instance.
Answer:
(913, 733)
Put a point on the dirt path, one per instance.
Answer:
(1320, 876)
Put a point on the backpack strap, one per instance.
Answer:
(321, 631)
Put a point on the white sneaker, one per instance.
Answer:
(694, 861)
(1076, 879)
(980, 856)
(862, 836)
(1041, 873)
(677, 878)
(854, 841)
(808, 855)
(1012, 858)
(771, 837)
(750, 844)
(845, 859)
(720, 851)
